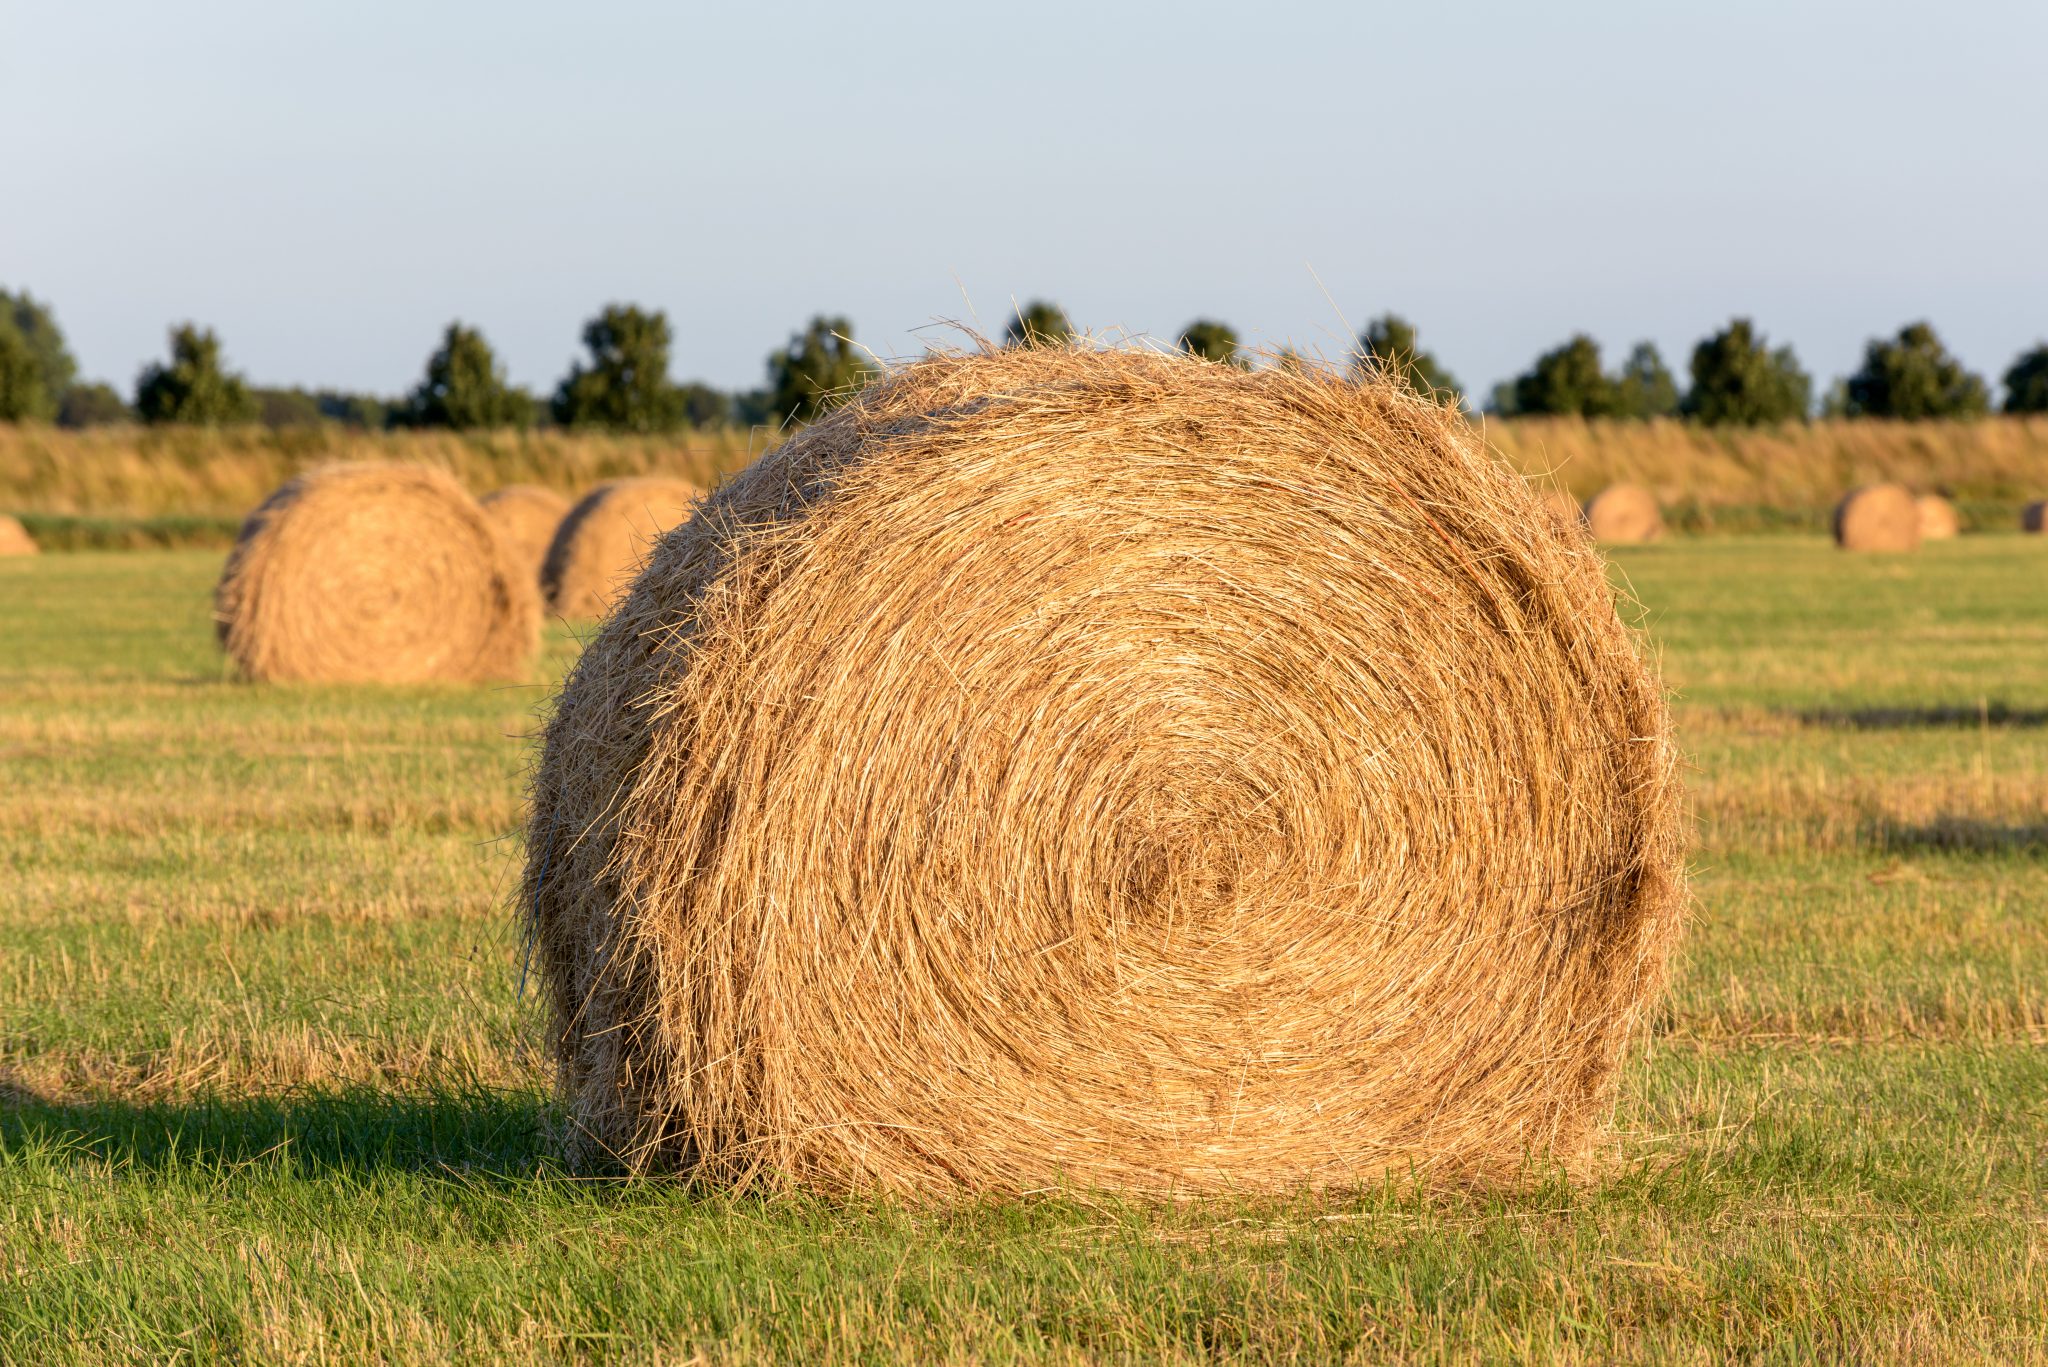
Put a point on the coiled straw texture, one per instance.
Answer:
(605, 540)
(525, 517)
(1113, 770)
(367, 573)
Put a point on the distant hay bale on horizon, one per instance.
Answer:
(606, 538)
(525, 517)
(14, 538)
(1878, 517)
(1106, 769)
(1624, 515)
(372, 573)
(1938, 520)
(2034, 517)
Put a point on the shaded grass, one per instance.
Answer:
(266, 1090)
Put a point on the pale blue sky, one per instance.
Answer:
(329, 184)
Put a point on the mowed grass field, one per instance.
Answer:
(268, 1092)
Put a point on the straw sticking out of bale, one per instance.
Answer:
(1938, 520)
(14, 538)
(1878, 517)
(1624, 515)
(2034, 517)
(374, 574)
(1105, 769)
(525, 517)
(606, 538)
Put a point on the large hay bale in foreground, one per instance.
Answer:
(2034, 517)
(1107, 769)
(1938, 520)
(605, 540)
(14, 538)
(1878, 517)
(1624, 515)
(366, 573)
(525, 517)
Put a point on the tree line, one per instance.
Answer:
(621, 382)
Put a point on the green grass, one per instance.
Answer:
(268, 1093)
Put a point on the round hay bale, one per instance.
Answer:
(1938, 520)
(14, 538)
(525, 517)
(1878, 517)
(1113, 770)
(368, 573)
(1624, 515)
(606, 538)
(2034, 517)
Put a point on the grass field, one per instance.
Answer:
(267, 1092)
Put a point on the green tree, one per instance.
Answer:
(705, 408)
(354, 410)
(2026, 383)
(195, 387)
(1212, 341)
(1736, 378)
(819, 364)
(1913, 376)
(22, 395)
(1568, 379)
(465, 388)
(93, 405)
(1645, 388)
(1389, 342)
(286, 407)
(1040, 323)
(39, 345)
(625, 386)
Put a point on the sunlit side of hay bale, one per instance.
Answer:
(14, 538)
(1938, 520)
(1113, 770)
(1624, 515)
(525, 517)
(1878, 517)
(606, 538)
(374, 574)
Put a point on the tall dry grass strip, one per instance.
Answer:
(1109, 769)
(525, 517)
(374, 574)
(14, 538)
(1624, 515)
(1878, 517)
(606, 538)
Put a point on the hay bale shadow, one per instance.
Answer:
(472, 1135)
(1958, 835)
(1937, 717)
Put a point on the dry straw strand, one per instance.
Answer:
(1624, 515)
(14, 538)
(606, 538)
(525, 517)
(1109, 769)
(362, 573)
(1878, 517)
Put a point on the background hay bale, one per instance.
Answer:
(14, 538)
(525, 517)
(1624, 515)
(1878, 517)
(606, 538)
(374, 574)
(2034, 517)
(1106, 769)
(1938, 520)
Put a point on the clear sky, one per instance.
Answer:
(329, 184)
